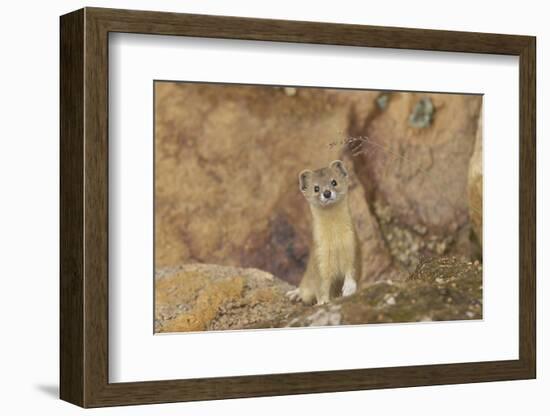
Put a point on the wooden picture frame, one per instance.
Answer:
(84, 207)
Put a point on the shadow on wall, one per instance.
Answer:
(51, 390)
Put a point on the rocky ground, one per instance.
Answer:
(200, 297)
(208, 297)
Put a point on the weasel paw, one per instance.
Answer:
(349, 288)
(294, 295)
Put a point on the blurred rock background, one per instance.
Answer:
(227, 159)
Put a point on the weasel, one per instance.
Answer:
(334, 263)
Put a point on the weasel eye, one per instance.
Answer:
(334, 183)
(316, 188)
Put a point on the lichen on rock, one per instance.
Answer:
(422, 114)
(201, 297)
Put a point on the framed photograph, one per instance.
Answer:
(255, 207)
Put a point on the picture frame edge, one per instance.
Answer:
(84, 213)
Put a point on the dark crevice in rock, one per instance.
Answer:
(358, 128)
(404, 233)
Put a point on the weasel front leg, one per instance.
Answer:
(323, 291)
(294, 295)
(302, 293)
(350, 285)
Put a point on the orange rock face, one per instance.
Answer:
(227, 160)
(475, 185)
(415, 171)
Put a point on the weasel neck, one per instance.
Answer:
(334, 215)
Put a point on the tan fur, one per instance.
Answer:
(335, 253)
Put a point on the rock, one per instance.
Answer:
(320, 317)
(377, 260)
(382, 101)
(227, 159)
(456, 295)
(475, 185)
(226, 180)
(390, 300)
(290, 91)
(421, 116)
(416, 179)
(201, 297)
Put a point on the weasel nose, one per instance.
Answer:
(327, 194)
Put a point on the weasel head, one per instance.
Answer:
(325, 187)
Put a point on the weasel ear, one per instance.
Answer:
(339, 166)
(305, 180)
